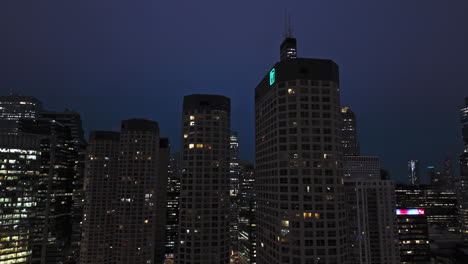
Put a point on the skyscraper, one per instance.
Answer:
(53, 223)
(349, 138)
(137, 192)
(361, 167)
(20, 163)
(413, 235)
(15, 107)
(234, 188)
(246, 243)
(172, 207)
(299, 180)
(100, 198)
(204, 196)
(433, 175)
(413, 172)
(463, 185)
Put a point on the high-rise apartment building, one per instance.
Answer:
(101, 170)
(204, 195)
(299, 181)
(349, 137)
(20, 166)
(15, 107)
(463, 183)
(172, 207)
(125, 181)
(413, 172)
(137, 192)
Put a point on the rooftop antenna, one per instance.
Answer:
(287, 24)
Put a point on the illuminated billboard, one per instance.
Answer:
(410, 212)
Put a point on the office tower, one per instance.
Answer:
(53, 233)
(15, 107)
(73, 121)
(172, 208)
(101, 177)
(413, 172)
(433, 175)
(463, 184)
(161, 200)
(137, 192)
(363, 167)
(20, 162)
(247, 225)
(234, 188)
(413, 235)
(300, 194)
(204, 195)
(440, 205)
(372, 233)
(349, 138)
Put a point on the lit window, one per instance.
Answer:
(291, 91)
(199, 145)
(192, 117)
(191, 146)
(185, 135)
(192, 123)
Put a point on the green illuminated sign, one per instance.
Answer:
(272, 76)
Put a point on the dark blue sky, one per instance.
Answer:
(404, 64)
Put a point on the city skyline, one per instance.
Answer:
(119, 76)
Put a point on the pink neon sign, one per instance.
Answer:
(410, 211)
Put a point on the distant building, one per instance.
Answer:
(204, 196)
(371, 221)
(20, 166)
(234, 188)
(363, 167)
(413, 172)
(246, 247)
(433, 175)
(172, 208)
(413, 235)
(463, 183)
(349, 137)
(15, 107)
(440, 204)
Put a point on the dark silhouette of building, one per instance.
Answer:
(204, 196)
(299, 189)
(102, 168)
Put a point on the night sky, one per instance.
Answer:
(403, 64)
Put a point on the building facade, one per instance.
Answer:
(349, 137)
(15, 107)
(246, 236)
(414, 236)
(172, 208)
(204, 196)
(299, 179)
(20, 163)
